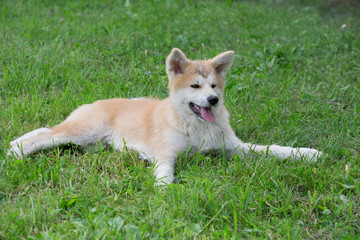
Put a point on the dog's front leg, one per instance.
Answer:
(235, 145)
(164, 168)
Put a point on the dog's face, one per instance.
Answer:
(196, 87)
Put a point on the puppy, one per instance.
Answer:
(193, 116)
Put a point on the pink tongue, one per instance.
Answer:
(207, 114)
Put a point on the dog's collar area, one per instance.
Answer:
(203, 113)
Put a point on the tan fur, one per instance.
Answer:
(159, 129)
(195, 68)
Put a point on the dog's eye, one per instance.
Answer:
(213, 85)
(195, 86)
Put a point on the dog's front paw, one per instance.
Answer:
(164, 175)
(164, 181)
(311, 155)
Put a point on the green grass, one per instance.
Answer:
(295, 81)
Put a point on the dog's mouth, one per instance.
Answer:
(204, 113)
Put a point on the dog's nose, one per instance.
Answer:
(213, 100)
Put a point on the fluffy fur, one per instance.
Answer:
(193, 116)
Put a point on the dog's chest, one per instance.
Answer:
(205, 137)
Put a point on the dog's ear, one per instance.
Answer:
(176, 63)
(222, 62)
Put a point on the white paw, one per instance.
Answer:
(16, 152)
(311, 155)
(14, 143)
(164, 181)
(164, 175)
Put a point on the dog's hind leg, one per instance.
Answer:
(86, 125)
(34, 133)
(78, 133)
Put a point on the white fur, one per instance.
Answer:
(159, 129)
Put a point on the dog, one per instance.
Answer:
(193, 116)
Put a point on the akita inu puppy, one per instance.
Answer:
(193, 116)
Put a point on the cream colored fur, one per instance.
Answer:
(159, 129)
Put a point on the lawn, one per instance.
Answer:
(295, 81)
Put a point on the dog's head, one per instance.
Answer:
(196, 87)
